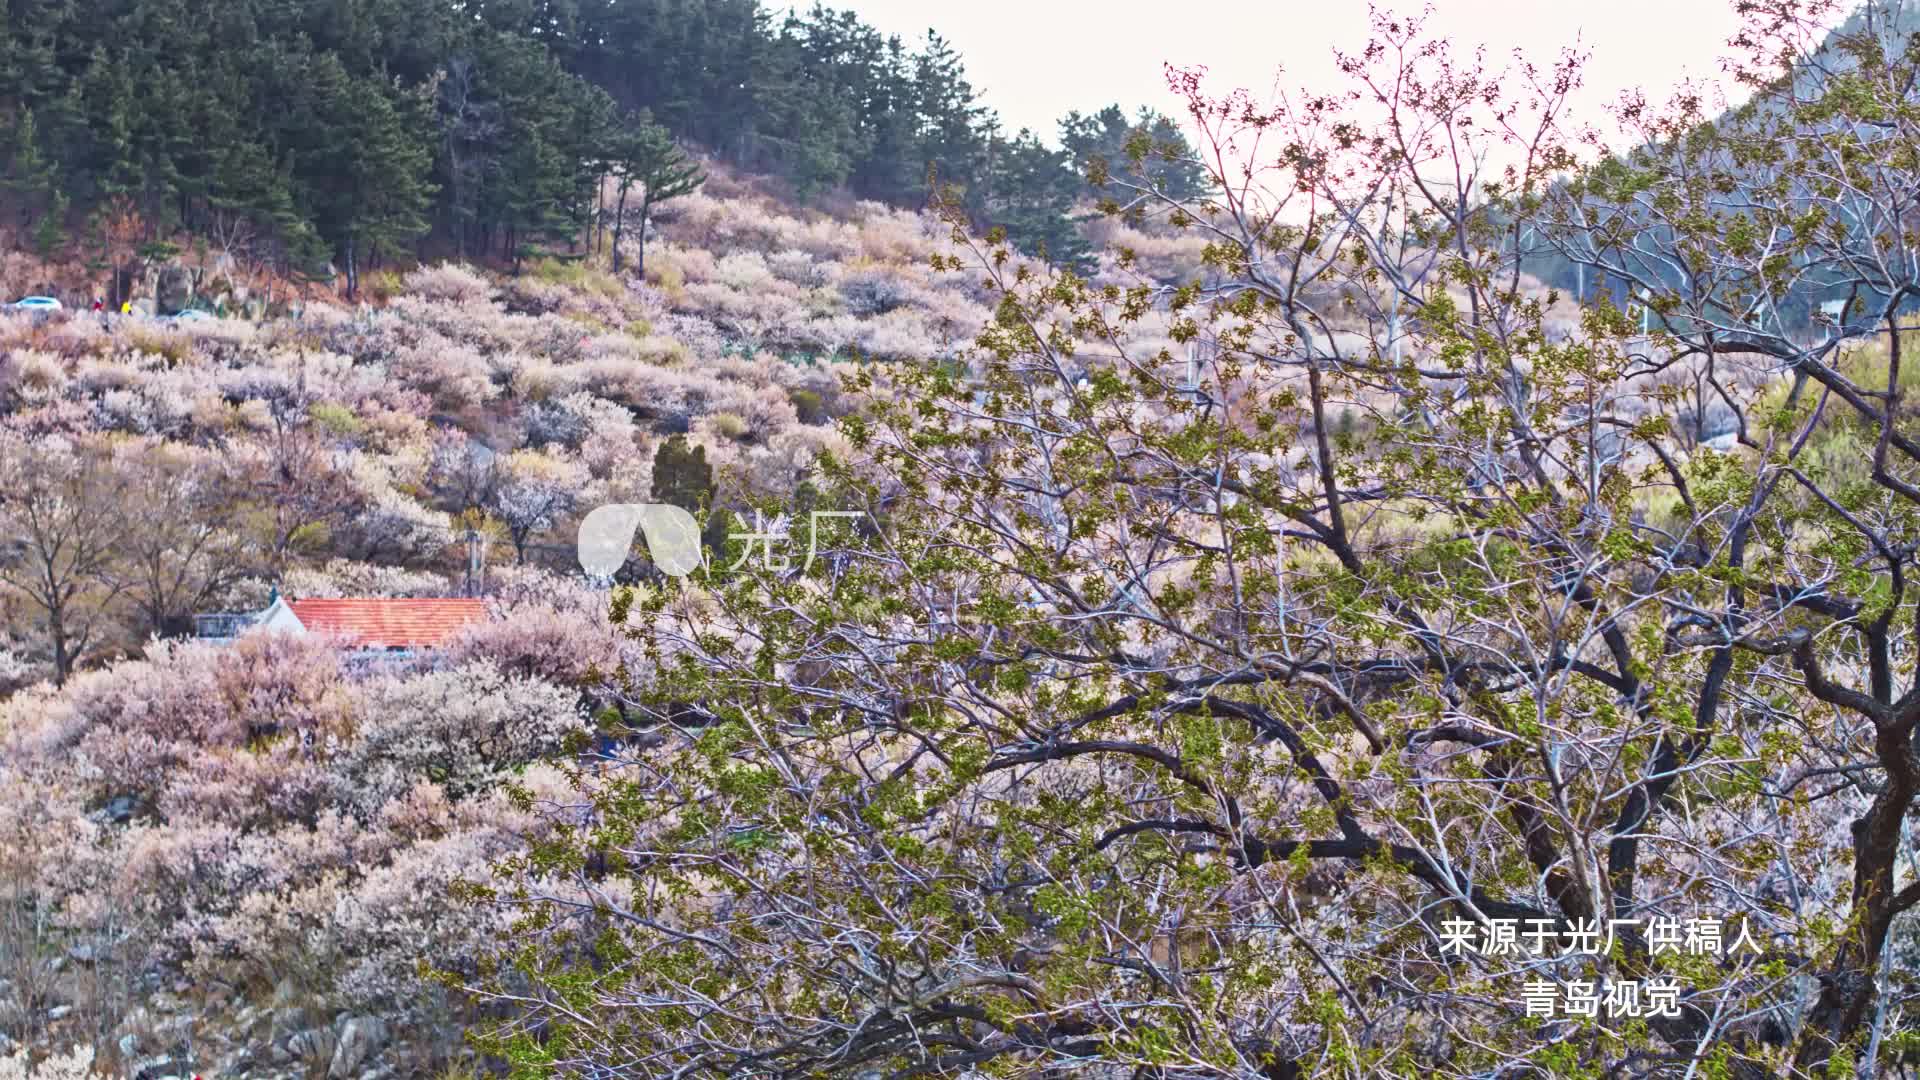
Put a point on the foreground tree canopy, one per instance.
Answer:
(1168, 715)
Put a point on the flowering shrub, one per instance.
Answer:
(872, 293)
(448, 281)
(462, 727)
(340, 578)
(561, 637)
(75, 1064)
(240, 811)
(797, 268)
(280, 813)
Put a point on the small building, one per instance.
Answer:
(373, 626)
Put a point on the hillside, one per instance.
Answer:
(1215, 626)
(320, 138)
(205, 874)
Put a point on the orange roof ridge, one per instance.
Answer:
(389, 623)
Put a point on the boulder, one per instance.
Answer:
(313, 1044)
(361, 1037)
(288, 1020)
(172, 289)
(235, 1063)
(121, 808)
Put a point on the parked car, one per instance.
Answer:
(35, 303)
(189, 315)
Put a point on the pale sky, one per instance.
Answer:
(1033, 60)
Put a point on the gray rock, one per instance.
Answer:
(173, 289)
(361, 1037)
(138, 1020)
(120, 809)
(313, 1044)
(289, 1020)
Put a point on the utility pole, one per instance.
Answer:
(476, 567)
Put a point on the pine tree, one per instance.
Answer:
(955, 131)
(31, 174)
(681, 475)
(643, 154)
(1149, 150)
(28, 172)
(1033, 200)
(386, 175)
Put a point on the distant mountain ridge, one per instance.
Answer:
(1889, 20)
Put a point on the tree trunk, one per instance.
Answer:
(1850, 983)
(619, 226)
(62, 661)
(640, 240)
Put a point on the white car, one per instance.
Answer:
(35, 303)
(189, 315)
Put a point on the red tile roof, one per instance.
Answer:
(385, 624)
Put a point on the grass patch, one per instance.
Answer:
(576, 274)
(382, 285)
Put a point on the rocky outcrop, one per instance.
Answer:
(313, 1045)
(358, 1040)
(216, 1031)
(172, 289)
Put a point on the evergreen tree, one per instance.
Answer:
(681, 475)
(643, 154)
(306, 122)
(387, 187)
(955, 133)
(30, 175)
(1149, 150)
(1032, 198)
